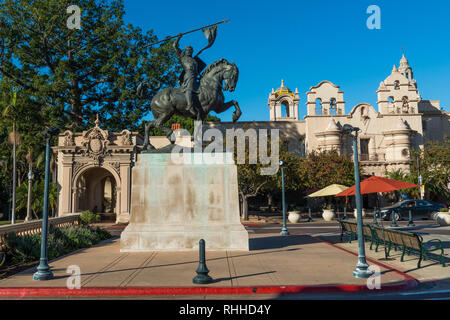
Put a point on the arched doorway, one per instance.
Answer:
(96, 190)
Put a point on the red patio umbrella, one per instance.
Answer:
(377, 184)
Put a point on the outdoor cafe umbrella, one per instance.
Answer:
(328, 191)
(377, 184)
(331, 190)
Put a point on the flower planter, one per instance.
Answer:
(355, 213)
(294, 216)
(328, 214)
(443, 219)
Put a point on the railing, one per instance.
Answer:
(35, 227)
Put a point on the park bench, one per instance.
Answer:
(351, 228)
(413, 243)
(409, 243)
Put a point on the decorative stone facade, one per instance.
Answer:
(94, 171)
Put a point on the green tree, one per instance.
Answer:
(37, 197)
(251, 183)
(65, 76)
(434, 161)
(402, 175)
(73, 74)
(329, 167)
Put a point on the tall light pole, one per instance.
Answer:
(284, 230)
(13, 208)
(419, 177)
(362, 268)
(43, 270)
(30, 183)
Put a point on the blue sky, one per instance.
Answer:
(305, 42)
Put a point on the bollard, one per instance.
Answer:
(202, 276)
(375, 222)
(411, 222)
(394, 221)
(309, 215)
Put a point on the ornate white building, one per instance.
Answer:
(403, 121)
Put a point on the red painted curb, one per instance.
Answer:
(168, 291)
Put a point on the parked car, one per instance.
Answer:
(419, 209)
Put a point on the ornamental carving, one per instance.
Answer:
(125, 138)
(96, 141)
(77, 166)
(116, 167)
(68, 139)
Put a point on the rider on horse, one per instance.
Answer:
(188, 80)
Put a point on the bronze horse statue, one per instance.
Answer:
(218, 76)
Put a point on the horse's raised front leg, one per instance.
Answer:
(237, 113)
(227, 105)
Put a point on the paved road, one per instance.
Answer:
(319, 227)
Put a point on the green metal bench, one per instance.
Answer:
(414, 243)
(351, 228)
(409, 243)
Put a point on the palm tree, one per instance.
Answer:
(401, 175)
(10, 112)
(37, 202)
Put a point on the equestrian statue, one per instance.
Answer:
(200, 89)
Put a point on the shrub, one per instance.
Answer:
(87, 217)
(27, 248)
(23, 249)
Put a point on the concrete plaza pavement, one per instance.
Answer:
(274, 265)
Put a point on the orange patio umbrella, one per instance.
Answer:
(377, 184)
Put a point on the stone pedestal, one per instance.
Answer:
(175, 205)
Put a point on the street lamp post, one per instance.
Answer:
(30, 182)
(375, 222)
(410, 220)
(43, 270)
(13, 212)
(394, 219)
(419, 177)
(284, 230)
(362, 268)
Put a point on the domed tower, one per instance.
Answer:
(398, 94)
(283, 104)
(405, 69)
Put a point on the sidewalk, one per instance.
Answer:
(275, 265)
(431, 270)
